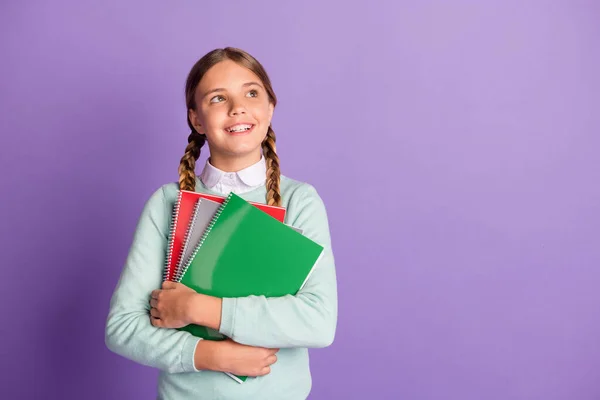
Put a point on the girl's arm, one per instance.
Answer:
(238, 359)
(307, 319)
(129, 332)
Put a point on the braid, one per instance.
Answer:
(273, 172)
(187, 165)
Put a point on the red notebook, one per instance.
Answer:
(182, 213)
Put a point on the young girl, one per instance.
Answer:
(230, 105)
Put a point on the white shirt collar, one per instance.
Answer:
(238, 182)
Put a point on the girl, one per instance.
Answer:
(230, 105)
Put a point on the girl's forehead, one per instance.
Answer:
(227, 74)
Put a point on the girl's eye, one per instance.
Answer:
(217, 99)
(254, 93)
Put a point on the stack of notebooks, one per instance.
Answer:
(229, 247)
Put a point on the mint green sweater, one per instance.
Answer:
(291, 323)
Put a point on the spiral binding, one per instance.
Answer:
(214, 219)
(173, 226)
(188, 233)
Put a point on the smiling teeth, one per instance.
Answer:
(240, 128)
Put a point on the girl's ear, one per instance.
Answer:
(195, 122)
(271, 109)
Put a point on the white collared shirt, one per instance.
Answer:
(238, 182)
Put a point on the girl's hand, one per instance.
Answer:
(243, 360)
(171, 306)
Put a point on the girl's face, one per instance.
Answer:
(234, 112)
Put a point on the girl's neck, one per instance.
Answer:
(235, 163)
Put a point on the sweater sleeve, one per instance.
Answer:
(129, 332)
(307, 319)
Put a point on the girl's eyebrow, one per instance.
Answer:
(223, 89)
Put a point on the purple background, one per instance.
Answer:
(455, 147)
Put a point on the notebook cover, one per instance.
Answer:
(182, 213)
(246, 252)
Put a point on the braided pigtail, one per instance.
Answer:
(187, 165)
(273, 171)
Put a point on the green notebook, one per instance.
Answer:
(245, 251)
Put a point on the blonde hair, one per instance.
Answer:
(187, 164)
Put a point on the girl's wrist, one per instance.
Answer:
(195, 309)
(205, 311)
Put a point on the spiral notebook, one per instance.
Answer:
(180, 220)
(244, 252)
(204, 210)
(202, 215)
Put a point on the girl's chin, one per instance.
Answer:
(237, 149)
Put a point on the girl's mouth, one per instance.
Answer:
(240, 129)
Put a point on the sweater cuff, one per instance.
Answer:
(228, 316)
(188, 354)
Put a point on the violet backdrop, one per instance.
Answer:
(455, 145)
